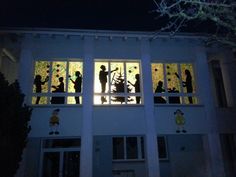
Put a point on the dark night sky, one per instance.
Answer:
(80, 14)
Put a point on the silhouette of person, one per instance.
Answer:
(38, 84)
(103, 80)
(136, 85)
(159, 89)
(77, 85)
(188, 84)
(58, 89)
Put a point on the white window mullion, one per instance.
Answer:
(67, 80)
(165, 83)
(181, 83)
(125, 84)
(125, 149)
(49, 82)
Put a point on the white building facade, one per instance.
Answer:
(138, 107)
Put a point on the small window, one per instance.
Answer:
(128, 148)
(174, 83)
(117, 82)
(57, 82)
(162, 148)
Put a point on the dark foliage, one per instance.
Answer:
(14, 128)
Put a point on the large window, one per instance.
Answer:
(117, 82)
(128, 148)
(57, 82)
(174, 83)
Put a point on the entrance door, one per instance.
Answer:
(62, 163)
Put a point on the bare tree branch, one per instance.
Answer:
(220, 12)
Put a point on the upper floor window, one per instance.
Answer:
(173, 83)
(57, 82)
(117, 82)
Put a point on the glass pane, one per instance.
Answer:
(75, 77)
(101, 100)
(58, 81)
(133, 81)
(39, 100)
(41, 75)
(175, 100)
(58, 76)
(132, 148)
(51, 164)
(157, 77)
(118, 148)
(160, 100)
(74, 100)
(133, 99)
(190, 100)
(101, 77)
(117, 100)
(133, 77)
(173, 79)
(71, 164)
(117, 78)
(188, 78)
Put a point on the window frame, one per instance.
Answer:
(49, 94)
(124, 94)
(140, 148)
(181, 94)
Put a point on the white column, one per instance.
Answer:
(211, 142)
(86, 157)
(151, 134)
(227, 79)
(26, 66)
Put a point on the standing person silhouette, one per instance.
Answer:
(58, 89)
(77, 85)
(103, 80)
(136, 86)
(188, 84)
(38, 84)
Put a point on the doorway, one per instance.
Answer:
(60, 161)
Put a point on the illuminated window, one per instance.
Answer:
(117, 83)
(173, 83)
(128, 148)
(57, 82)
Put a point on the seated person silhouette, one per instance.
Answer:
(174, 99)
(58, 89)
(159, 89)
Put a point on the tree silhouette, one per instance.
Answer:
(14, 128)
(119, 87)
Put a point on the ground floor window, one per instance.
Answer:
(174, 83)
(117, 82)
(57, 82)
(128, 148)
